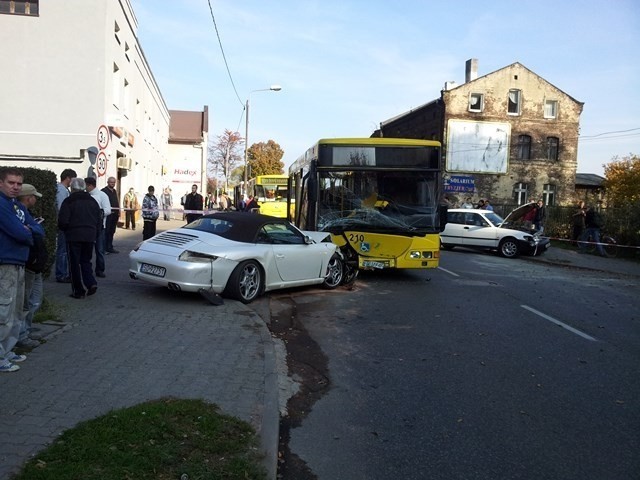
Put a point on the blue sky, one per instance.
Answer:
(346, 65)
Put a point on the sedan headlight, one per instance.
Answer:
(189, 256)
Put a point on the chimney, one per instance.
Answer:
(471, 70)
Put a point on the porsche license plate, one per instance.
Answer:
(153, 270)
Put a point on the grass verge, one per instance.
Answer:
(163, 439)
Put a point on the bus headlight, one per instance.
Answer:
(415, 255)
(428, 254)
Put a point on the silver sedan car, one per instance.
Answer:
(239, 255)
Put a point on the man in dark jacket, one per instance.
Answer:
(80, 218)
(194, 203)
(112, 220)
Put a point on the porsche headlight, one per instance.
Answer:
(189, 256)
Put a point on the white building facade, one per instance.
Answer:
(77, 92)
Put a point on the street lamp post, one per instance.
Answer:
(274, 88)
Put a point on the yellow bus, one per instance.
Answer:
(378, 197)
(271, 193)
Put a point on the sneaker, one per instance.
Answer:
(92, 289)
(64, 280)
(114, 251)
(9, 367)
(100, 275)
(27, 343)
(15, 358)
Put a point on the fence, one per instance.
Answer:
(623, 224)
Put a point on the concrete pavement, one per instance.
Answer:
(131, 343)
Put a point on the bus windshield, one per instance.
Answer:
(271, 193)
(378, 200)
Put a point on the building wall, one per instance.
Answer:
(492, 182)
(74, 67)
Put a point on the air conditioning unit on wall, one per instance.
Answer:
(124, 163)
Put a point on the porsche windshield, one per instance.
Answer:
(400, 201)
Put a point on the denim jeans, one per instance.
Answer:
(62, 259)
(33, 293)
(594, 233)
(100, 264)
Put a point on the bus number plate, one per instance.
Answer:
(373, 264)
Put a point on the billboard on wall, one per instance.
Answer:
(477, 147)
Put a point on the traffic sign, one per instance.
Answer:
(103, 137)
(101, 163)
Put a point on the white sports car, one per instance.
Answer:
(237, 254)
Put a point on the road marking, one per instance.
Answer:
(559, 323)
(448, 271)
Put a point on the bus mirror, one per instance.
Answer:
(443, 213)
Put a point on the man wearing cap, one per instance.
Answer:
(33, 281)
(16, 227)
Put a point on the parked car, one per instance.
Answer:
(239, 255)
(484, 229)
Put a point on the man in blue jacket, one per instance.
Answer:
(16, 236)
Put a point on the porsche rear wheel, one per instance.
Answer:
(245, 283)
(508, 248)
(335, 272)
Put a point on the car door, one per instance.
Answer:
(294, 258)
(454, 231)
(478, 232)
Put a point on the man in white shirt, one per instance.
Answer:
(105, 205)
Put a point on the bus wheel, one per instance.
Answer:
(350, 274)
(245, 282)
(335, 272)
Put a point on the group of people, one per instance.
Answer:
(483, 204)
(586, 226)
(21, 235)
(87, 219)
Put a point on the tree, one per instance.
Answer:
(265, 159)
(623, 180)
(225, 155)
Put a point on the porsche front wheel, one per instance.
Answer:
(335, 272)
(246, 282)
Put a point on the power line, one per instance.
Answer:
(223, 55)
(608, 133)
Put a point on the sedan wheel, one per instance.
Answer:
(508, 248)
(335, 272)
(245, 283)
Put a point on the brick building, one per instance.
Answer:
(510, 136)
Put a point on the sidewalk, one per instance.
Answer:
(132, 342)
(571, 258)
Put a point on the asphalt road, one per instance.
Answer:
(486, 369)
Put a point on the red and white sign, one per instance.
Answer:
(103, 137)
(101, 163)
